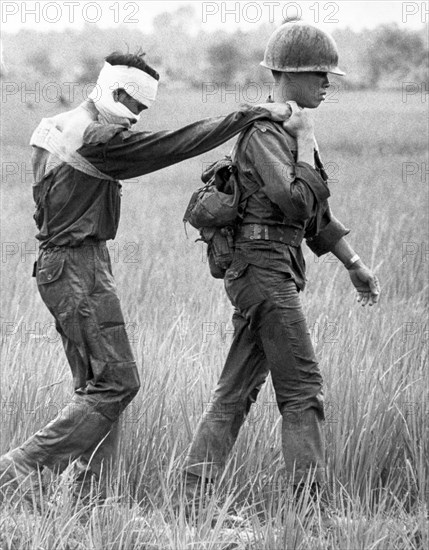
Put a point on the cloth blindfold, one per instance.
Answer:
(138, 84)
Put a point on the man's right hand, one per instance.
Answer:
(300, 124)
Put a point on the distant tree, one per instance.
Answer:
(90, 66)
(176, 62)
(163, 22)
(393, 51)
(225, 59)
(41, 63)
(183, 20)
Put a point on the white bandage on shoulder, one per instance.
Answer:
(48, 137)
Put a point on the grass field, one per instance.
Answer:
(374, 361)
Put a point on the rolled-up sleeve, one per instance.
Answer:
(330, 232)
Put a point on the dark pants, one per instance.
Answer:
(270, 336)
(79, 290)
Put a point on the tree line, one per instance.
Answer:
(383, 57)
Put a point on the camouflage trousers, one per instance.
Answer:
(270, 336)
(78, 287)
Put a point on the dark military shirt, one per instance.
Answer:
(291, 196)
(81, 207)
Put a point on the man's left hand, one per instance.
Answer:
(366, 284)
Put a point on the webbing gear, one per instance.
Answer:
(281, 233)
(218, 203)
(217, 209)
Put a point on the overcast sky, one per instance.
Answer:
(57, 15)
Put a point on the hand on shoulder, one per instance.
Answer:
(300, 123)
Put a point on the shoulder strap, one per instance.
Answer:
(252, 186)
(320, 166)
(48, 137)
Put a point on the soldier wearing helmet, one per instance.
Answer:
(267, 274)
(299, 47)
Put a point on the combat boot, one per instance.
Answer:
(195, 498)
(190, 494)
(20, 479)
(312, 501)
(82, 488)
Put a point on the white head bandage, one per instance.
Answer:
(138, 84)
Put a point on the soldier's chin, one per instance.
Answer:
(310, 103)
(314, 104)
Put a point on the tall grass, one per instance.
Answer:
(374, 361)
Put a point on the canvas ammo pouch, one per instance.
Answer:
(215, 204)
(215, 210)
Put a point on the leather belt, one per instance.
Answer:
(282, 233)
(88, 241)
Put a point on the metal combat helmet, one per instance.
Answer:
(297, 46)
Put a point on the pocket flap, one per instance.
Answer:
(236, 270)
(50, 273)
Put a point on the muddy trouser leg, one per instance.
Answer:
(100, 458)
(279, 325)
(78, 288)
(271, 336)
(242, 377)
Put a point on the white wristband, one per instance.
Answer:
(352, 260)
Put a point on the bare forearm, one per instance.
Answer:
(363, 279)
(345, 253)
